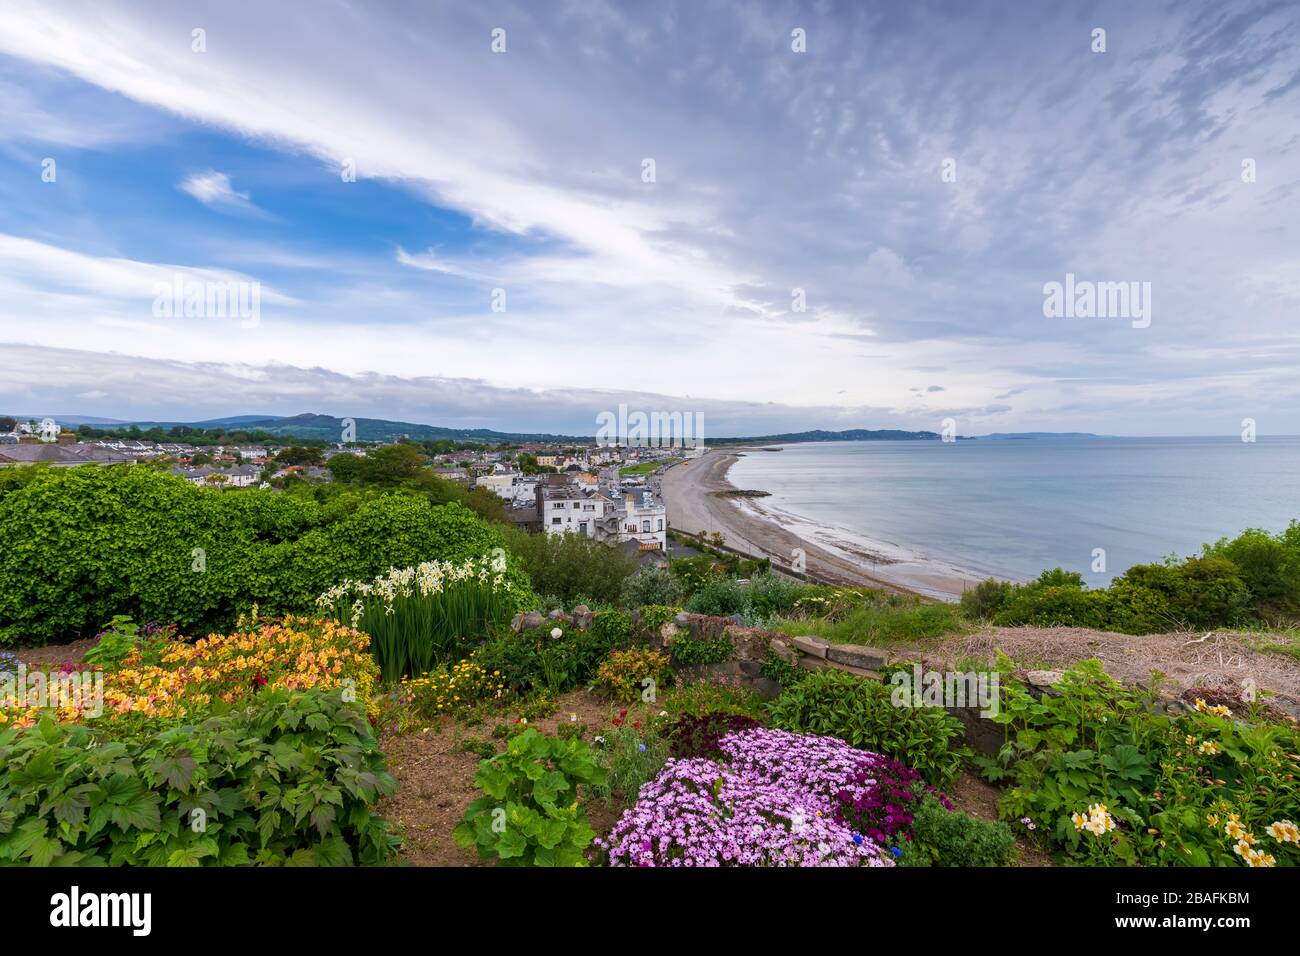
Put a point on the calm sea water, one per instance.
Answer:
(1011, 508)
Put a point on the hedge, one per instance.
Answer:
(85, 544)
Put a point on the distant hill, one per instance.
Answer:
(1004, 436)
(852, 434)
(329, 428)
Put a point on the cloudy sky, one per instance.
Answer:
(666, 204)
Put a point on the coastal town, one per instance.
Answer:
(605, 493)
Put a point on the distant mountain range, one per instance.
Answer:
(329, 428)
(851, 434)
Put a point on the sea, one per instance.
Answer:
(1009, 508)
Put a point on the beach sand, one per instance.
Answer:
(688, 492)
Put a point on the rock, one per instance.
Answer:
(748, 643)
(857, 655)
(533, 619)
(783, 650)
(812, 663)
(1044, 678)
(668, 633)
(682, 619)
(811, 645)
(750, 668)
(766, 687)
(583, 617)
(855, 671)
(558, 615)
(517, 622)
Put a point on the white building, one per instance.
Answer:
(563, 507)
(643, 519)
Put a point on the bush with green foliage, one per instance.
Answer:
(534, 660)
(625, 673)
(529, 814)
(292, 778)
(650, 620)
(860, 712)
(1250, 579)
(85, 544)
(571, 566)
(689, 649)
(944, 837)
(985, 599)
(652, 586)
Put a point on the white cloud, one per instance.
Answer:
(214, 189)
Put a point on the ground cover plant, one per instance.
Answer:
(1115, 780)
(861, 712)
(188, 681)
(529, 814)
(770, 802)
(872, 618)
(287, 778)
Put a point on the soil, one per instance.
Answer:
(436, 780)
(980, 799)
(52, 655)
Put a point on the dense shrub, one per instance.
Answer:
(761, 597)
(1252, 578)
(985, 599)
(860, 712)
(719, 597)
(652, 586)
(1268, 564)
(572, 567)
(85, 544)
(687, 648)
(624, 675)
(942, 836)
(611, 628)
(534, 660)
(291, 778)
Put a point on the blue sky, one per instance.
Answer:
(775, 171)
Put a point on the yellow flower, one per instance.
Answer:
(1284, 831)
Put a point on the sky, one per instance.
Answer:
(782, 215)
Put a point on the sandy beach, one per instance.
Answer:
(690, 494)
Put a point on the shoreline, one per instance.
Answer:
(690, 490)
